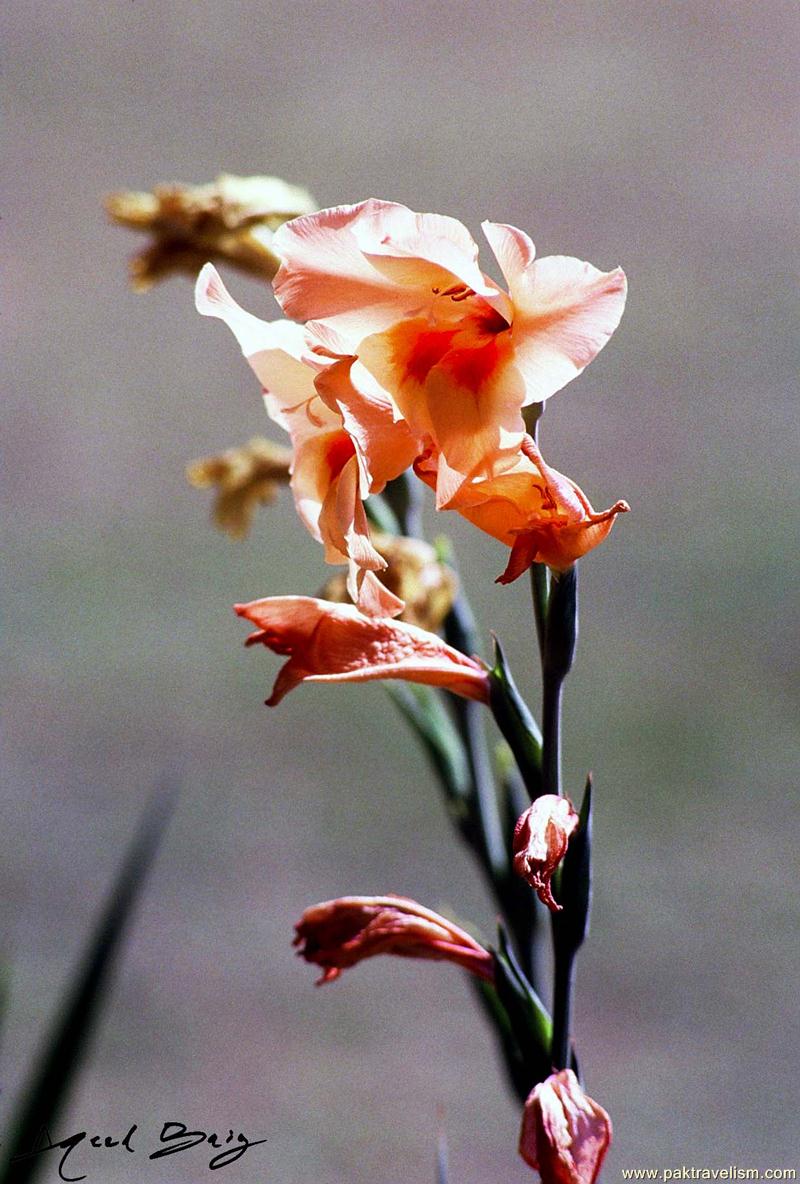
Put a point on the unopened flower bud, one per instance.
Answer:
(541, 837)
(339, 933)
(232, 218)
(565, 1134)
(244, 478)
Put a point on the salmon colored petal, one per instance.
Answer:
(565, 310)
(371, 596)
(343, 522)
(565, 1134)
(361, 268)
(474, 400)
(454, 385)
(273, 349)
(328, 642)
(541, 514)
(319, 456)
(384, 442)
(560, 546)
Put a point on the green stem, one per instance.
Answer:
(540, 582)
(551, 735)
(560, 639)
(564, 979)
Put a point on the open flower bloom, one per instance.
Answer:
(540, 843)
(339, 933)
(536, 511)
(565, 1135)
(326, 480)
(402, 297)
(328, 642)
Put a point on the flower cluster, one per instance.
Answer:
(400, 353)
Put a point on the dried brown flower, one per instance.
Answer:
(244, 478)
(232, 218)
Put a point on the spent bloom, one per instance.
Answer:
(232, 218)
(244, 478)
(339, 933)
(540, 843)
(565, 1134)
(327, 642)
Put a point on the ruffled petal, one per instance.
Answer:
(384, 442)
(565, 310)
(274, 349)
(361, 268)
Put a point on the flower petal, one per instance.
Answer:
(361, 268)
(541, 837)
(274, 349)
(337, 934)
(565, 310)
(329, 642)
(565, 1134)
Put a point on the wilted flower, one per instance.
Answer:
(426, 586)
(339, 933)
(401, 297)
(540, 843)
(536, 511)
(244, 478)
(328, 642)
(565, 1134)
(233, 218)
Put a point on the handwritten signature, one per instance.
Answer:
(175, 1137)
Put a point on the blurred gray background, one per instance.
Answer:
(656, 136)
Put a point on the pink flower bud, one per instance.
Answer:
(565, 1135)
(541, 837)
(339, 933)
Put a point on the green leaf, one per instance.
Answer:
(531, 1025)
(381, 515)
(426, 714)
(514, 719)
(497, 1016)
(571, 925)
(63, 1054)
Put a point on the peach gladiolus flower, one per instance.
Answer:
(538, 512)
(328, 642)
(565, 1134)
(540, 843)
(402, 297)
(339, 933)
(325, 477)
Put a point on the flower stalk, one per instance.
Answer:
(400, 364)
